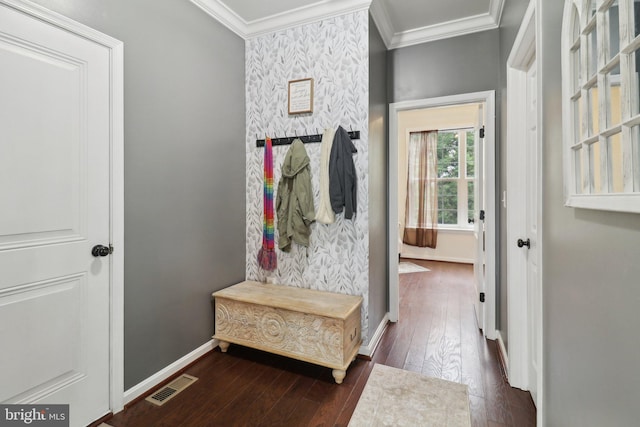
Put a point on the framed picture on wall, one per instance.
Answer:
(301, 96)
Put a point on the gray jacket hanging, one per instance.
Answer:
(343, 183)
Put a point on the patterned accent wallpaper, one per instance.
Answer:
(335, 53)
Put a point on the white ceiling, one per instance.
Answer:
(400, 22)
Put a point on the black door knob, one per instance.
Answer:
(526, 243)
(100, 250)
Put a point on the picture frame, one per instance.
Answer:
(301, 96)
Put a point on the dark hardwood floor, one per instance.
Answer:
(436, 335)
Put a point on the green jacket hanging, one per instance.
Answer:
(294, 202)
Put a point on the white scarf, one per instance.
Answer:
(324, 214)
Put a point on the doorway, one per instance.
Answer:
(485, 230)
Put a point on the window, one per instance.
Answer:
(456, 177)
(601, 90)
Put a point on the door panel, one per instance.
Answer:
(54, 177)
(59, 349)
(45, 166)
(479, 230)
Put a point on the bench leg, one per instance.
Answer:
(223, 346)
(338, 375)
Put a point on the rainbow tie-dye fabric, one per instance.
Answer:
(267, 255)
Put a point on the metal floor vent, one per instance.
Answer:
(167, 392)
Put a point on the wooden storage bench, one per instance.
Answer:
(313, 326)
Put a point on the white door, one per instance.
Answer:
(54, 193)
(479, 264)
(531, 246)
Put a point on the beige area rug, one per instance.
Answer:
(394, 397)
(409, 267)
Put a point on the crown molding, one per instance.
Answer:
(331, 8)
(444, 30)
(495, 10)
(280, 21)
(305, 15)
(458, 27)
(221, 13)
(382, 20)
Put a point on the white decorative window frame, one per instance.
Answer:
(595, 196)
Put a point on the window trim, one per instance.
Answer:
(628, 201)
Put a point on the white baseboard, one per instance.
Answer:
(503, 350)
(367, 350)
(155, 379)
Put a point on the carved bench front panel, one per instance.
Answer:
(290, 332)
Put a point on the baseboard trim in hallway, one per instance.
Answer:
(156, 379)
(503, 358)
(369, 349)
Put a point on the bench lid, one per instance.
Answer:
(321, 303)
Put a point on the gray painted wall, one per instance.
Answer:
(184, 170)
(591, 285)
(378, 177)
(512, 15)
(445, 67)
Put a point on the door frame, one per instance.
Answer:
(488, 97)
(116, 141)
(523, 51)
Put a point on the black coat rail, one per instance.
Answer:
(307, 139)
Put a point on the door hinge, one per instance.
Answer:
(482, 214)
(481, 296)
(482, 132)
